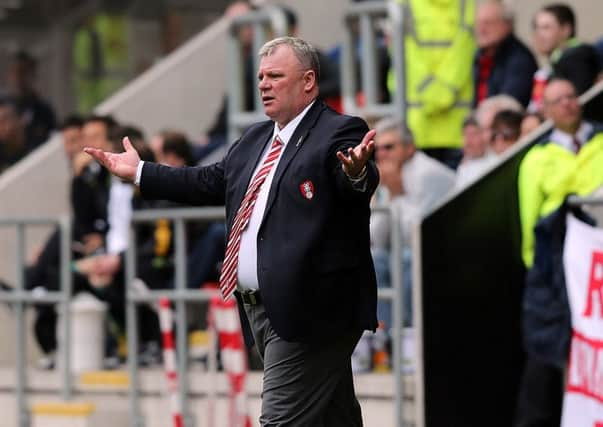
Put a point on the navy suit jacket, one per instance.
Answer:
(315, 269)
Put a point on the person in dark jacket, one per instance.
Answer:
(570, 59)
(502, 64)
(546, 325)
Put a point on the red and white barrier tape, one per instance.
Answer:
(234, 359)
(169, 360)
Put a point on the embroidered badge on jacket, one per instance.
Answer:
(307, 189)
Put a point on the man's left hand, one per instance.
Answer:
(356, 158)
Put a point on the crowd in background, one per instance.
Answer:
(468, 104)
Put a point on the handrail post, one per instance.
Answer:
(396, 15)
(181, 326)
(396, 245)
(136, 418)
(66, 291)
(20, 330)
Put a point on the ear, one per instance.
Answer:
(566, 30)
(309, 80)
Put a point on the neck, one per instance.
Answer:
(570, 129)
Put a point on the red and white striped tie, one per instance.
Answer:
(228, 276)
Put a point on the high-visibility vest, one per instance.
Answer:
(100, 59)
(439, 47)
(547, 174)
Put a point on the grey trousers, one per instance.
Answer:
(305, 385)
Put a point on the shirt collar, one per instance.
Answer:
(286, 133)
(565, 139)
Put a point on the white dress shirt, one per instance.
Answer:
(119, 213)
(248, 253)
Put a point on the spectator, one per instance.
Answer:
(90, 187)
(177, 151)
(506, 128)
(477, 156)
(414, 183)
(38, 115)
(13, 139)
(438, 47)
(503, 64)
(555, 38)
(490, 107)
(549, 167)
(530, 122)
(568, 160)
(71, 131)
(156, 143)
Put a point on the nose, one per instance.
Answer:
(263, 84)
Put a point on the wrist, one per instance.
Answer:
(358, 176)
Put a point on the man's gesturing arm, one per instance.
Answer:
(123, 165)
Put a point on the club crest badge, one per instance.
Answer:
(307, 189)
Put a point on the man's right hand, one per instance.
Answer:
(123, 165)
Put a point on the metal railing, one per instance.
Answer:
(180, 295)
(268, 20)
(360, 24)
(20, 298)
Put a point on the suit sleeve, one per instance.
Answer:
(187, 185)
(349, 135)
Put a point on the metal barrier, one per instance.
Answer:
(19, 298)
(268, 18)
(396, 296)
(180, 295)
(360, 26)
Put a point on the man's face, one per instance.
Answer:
(474, 145)
(561, 105)
(389, 148)
(72, 141)
(285, 86)
(548, 33)
(490, 26)
(10, 124)
(503, 137)
(95, 136)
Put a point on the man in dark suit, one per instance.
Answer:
(297, 191)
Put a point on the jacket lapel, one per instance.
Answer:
(298, 138)
(254, 154)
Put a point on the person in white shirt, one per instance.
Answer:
(414, 183)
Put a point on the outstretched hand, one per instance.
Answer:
(356, 158)
(123, 165)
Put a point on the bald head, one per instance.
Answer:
(493, 23)
(561, 105)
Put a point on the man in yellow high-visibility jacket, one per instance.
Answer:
(439, 47)
(100, 58)
(569, 160)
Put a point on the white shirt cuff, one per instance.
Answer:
(138, 173)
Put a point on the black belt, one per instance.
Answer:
(251, 297)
